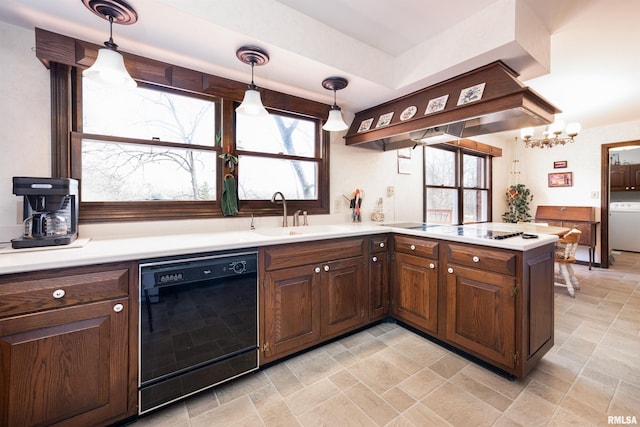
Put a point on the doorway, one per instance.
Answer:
(605, 196)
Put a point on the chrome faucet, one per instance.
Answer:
(296, 218)
(284, 206)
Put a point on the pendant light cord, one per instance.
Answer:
(110, 44)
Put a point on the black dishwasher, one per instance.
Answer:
(198, 324)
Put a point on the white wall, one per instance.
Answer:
(25, 124)
(25, 151)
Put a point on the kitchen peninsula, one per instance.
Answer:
(489, 298)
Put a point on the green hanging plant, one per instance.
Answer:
(518, 199)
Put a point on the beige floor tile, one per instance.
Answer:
(421, 415)
(626, 401)
(284, 380)
(251, 421)
(366, 349)
(481, 391)
(402, 421)
(460, 408)
(278, 414)
(542, 390)
(343, 379)
(563, 418)
(337, 411)
(509, 388)
(561, 367)
(408, 365)
(313, 366)
(530, 410)
(379, 373)
(550, 380)
(616, 363)
(448, 365)
(421, 384)
(240, 387)
(227, 414)
(346, 358)
(265, 396)
(371, 404)
(201, 403)
(419, 349)
(589, 399)
(174, 415)
(397, 398)
(312, 396)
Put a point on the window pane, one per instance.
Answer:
(131, 172)
(146, 114)
(473, 171)
(276, 134)
(259, 178)
(440, 167)
(442, 206)
(475, 206)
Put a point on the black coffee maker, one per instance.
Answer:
(50, 211)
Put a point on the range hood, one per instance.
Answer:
(486, 100)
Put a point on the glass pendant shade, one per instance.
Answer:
(109, 70)
(251, 104)
(335, 121)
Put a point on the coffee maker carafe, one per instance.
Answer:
(50, 211)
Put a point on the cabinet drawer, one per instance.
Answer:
(295, 254)
(484, 259)
(416, 246)
(27, 293)
(378, 243)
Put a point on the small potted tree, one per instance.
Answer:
(518, 199)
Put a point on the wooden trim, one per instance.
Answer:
(60, 76)
(55, 48)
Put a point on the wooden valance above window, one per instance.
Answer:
(52, 47)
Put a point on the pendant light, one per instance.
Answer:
(109, 67)
(251, 104)
(335, 121)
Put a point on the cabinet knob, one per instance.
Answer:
(450, 270)
(374, 259)
(118, 308)
(326, 268)
(475, 259)
(382, 244)
(413, 247)
(432, 266)
(58, 293)
(317, 270)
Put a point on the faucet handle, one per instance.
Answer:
(304, 216)
(296, 218)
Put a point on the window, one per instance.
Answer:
(281, 152)
(457, 187)
(166, 148)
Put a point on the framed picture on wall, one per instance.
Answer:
(562, 164)
(561, 179)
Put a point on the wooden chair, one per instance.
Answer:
(565, 258)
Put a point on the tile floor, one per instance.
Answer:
(388, 376)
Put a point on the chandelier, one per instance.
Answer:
(551, 135)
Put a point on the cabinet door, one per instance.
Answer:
(378, 285)
(291, 310)
(619, 177)
(415, 295)
(343, 295)
(634, 177)
(68, 365)
(481, 312)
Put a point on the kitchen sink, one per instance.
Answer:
(302, 230)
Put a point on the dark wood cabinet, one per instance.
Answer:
(291, 313)
(311, 292)
(415, 282)
(378, 278)
(66, 351)
(625, 177)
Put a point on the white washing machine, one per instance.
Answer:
(624, 226)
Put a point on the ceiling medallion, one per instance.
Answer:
(119, 10)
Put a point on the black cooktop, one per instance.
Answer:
(478, 233)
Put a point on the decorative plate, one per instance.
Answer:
(437, 104)
(384, 119)
(471, 94)
(408, 112)
(365, 125)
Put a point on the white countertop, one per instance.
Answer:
(94, 251)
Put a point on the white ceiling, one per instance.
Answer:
(581, 55)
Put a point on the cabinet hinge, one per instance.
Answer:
(264, 283)
(514, 291)
(265, 347)
(516, 358)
